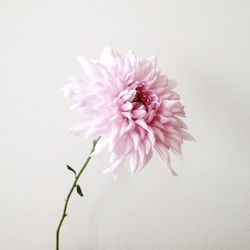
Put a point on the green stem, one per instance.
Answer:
(64, 214)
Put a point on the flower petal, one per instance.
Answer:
(165, 157)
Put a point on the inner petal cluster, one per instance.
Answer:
(139, 102)
(146, 98)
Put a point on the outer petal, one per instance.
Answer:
(165, 157)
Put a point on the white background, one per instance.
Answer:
(205, 45)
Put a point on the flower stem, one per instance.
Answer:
(77, 176)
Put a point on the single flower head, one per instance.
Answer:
(132, 106)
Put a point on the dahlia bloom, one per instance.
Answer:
(132, 106)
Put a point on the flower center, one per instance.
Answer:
(143, 97)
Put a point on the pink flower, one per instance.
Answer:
(132, 106)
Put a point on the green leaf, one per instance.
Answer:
(71, 169)
(79, 190)
(94, 142)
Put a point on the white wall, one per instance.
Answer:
(205, 44)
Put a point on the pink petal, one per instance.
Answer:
(165, 157)
(134, 161)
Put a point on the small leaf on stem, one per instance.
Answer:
(71, 169)
(79, 190)
(94, 142)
